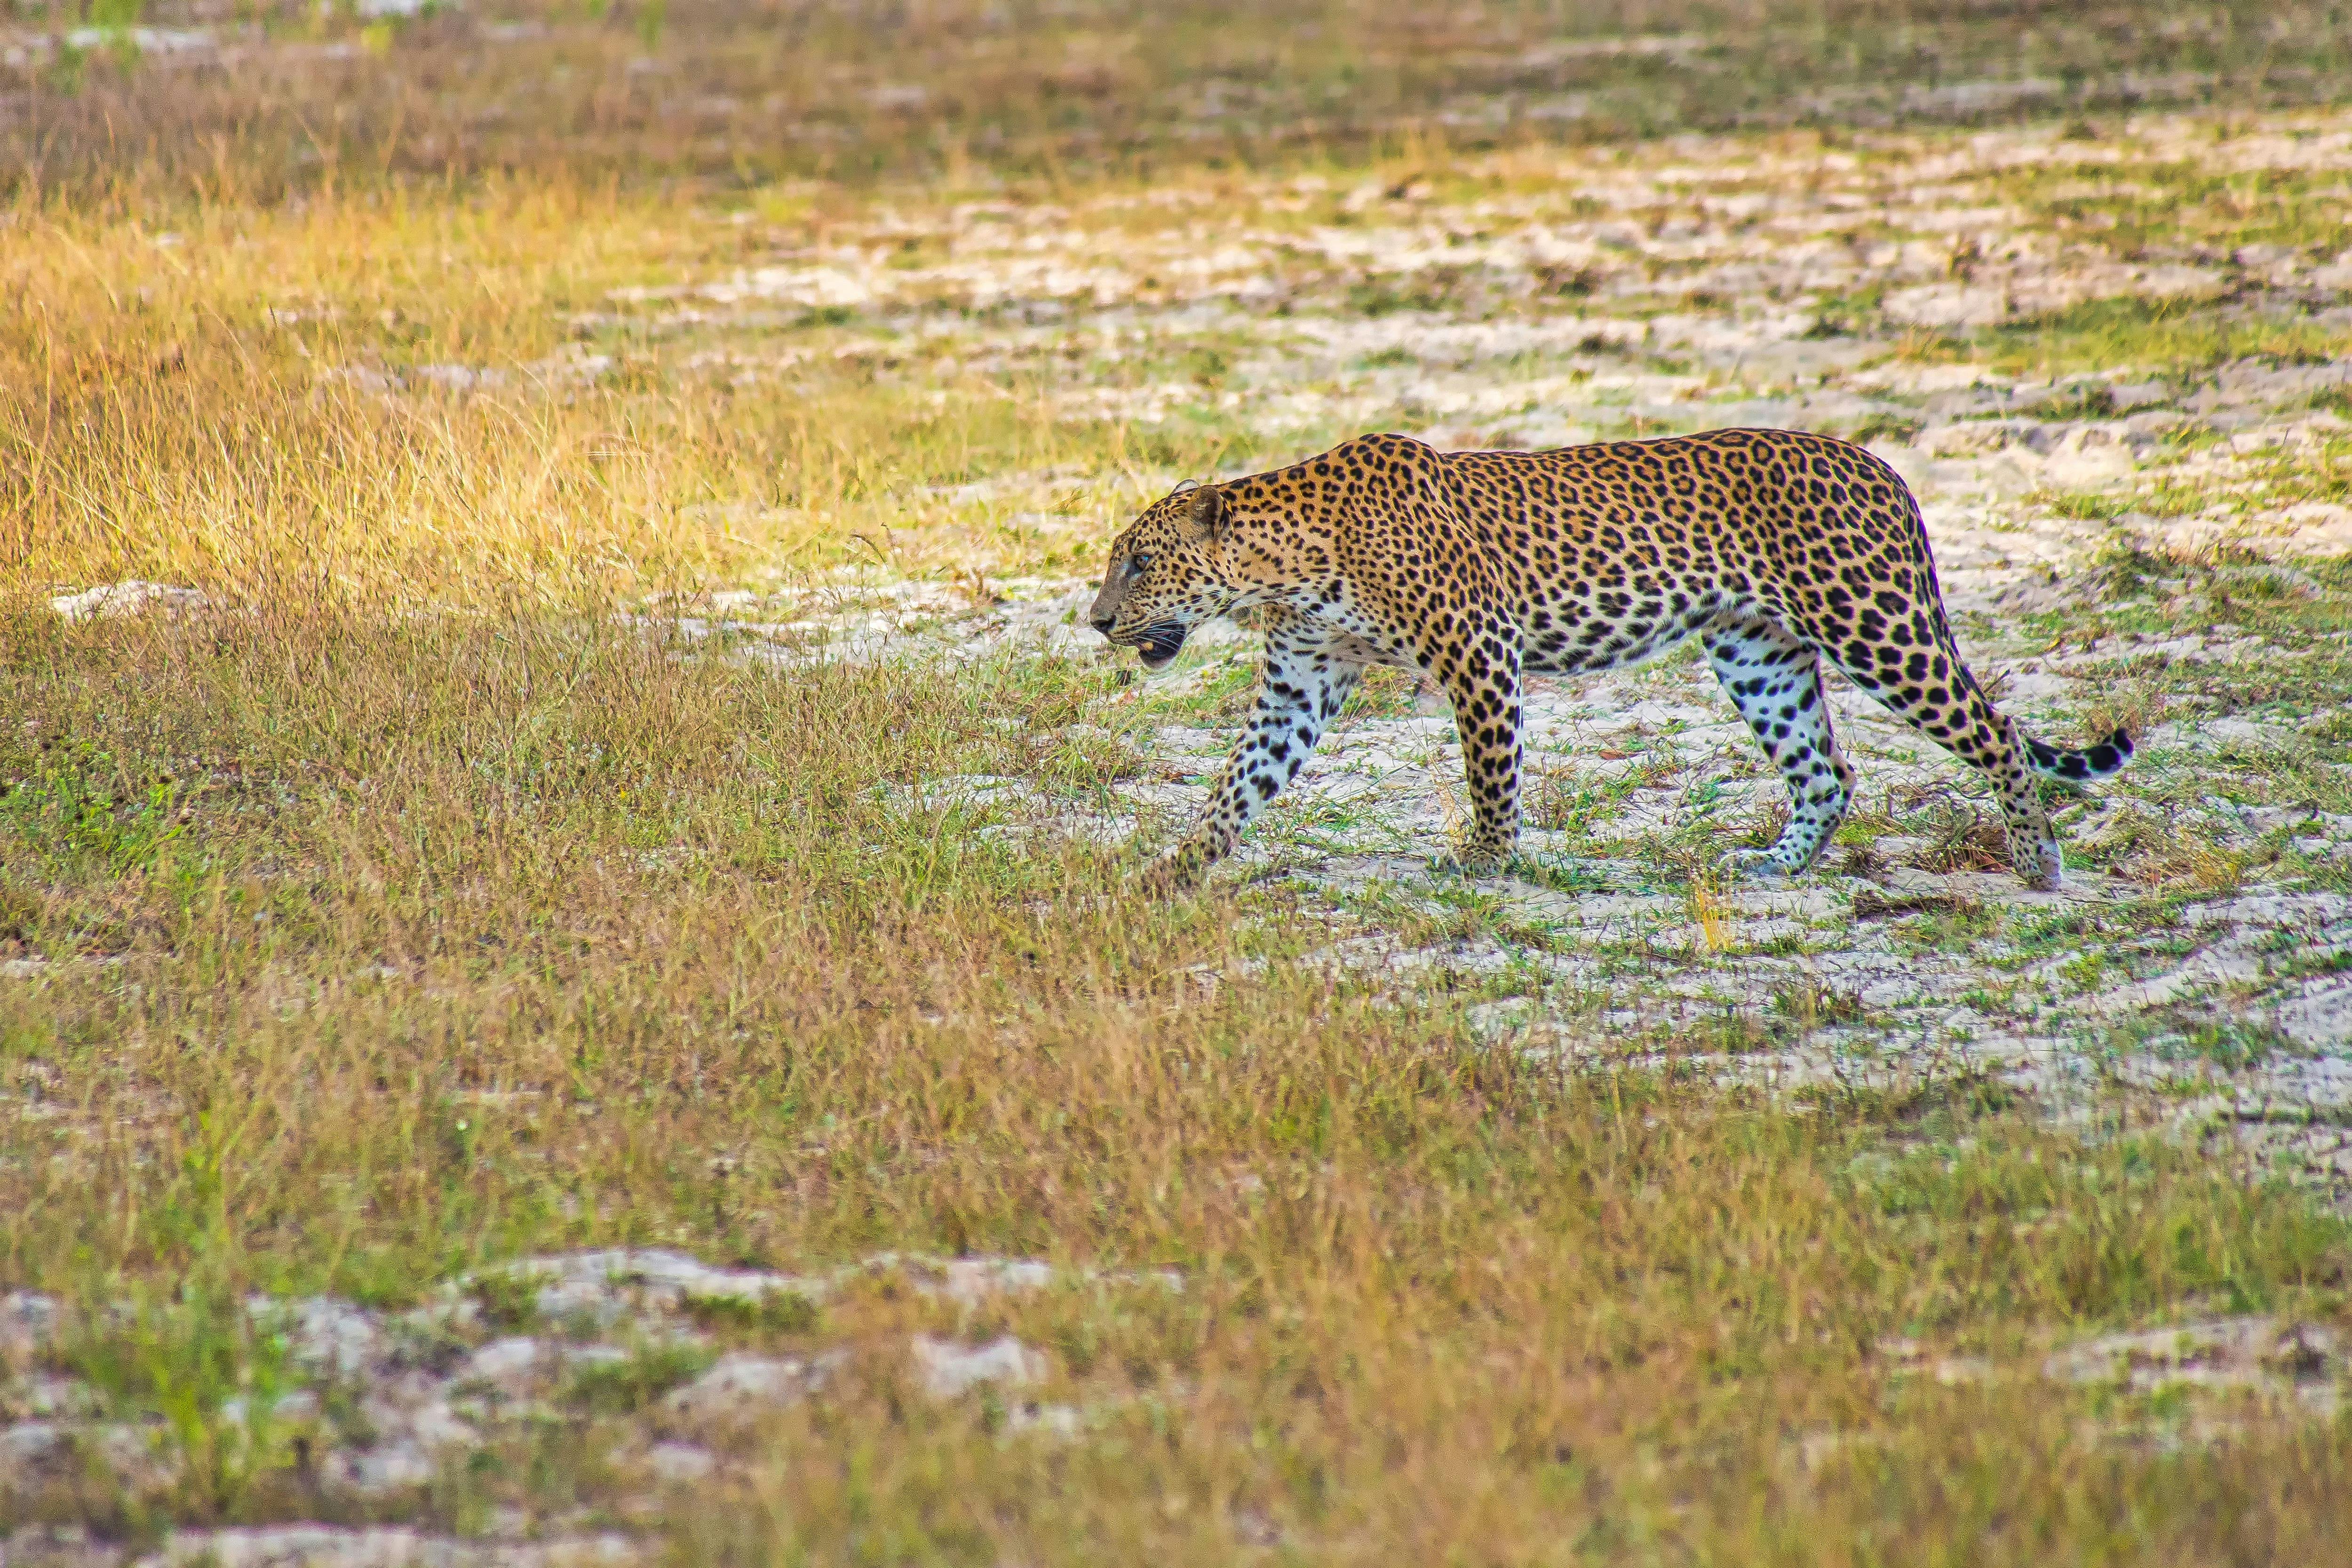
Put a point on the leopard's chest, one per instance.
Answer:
(1354, 633)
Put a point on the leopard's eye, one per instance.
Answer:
(1136, 564)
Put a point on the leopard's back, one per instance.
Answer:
(1612, 551)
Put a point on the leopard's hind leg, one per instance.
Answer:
(1943, 702)
(1774, 678)
(1879, 617)
(1917, 675)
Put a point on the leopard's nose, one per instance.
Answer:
(1103, 623)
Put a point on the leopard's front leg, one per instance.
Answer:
(1301, 689)
(1475, 653)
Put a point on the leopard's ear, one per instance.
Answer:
(1208, 511)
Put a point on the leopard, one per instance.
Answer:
(1780, 551)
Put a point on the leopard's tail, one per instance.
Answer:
(2096, 761)
(2091, 762)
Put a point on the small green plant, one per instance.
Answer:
(1557, 800)
(1812, 1004)
(1207, 366)
(2084, 506)
(69, 808)
(1568, 282)
(508, 1298)
(2078, 399)
(619, 1387)
(1436, 289)
(1898, 428)
(2231, 1044)
(769, 1311)
(66, 70)
(213, 1374)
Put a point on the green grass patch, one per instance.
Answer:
(2181, 338)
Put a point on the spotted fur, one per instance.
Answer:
(1778, 550)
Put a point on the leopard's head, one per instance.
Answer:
(1163, 579)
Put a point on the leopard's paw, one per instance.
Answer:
(1757, 865)
(1474, 859)
(2040, 866)
(1173, 871)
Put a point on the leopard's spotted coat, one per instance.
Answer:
(1776, 549)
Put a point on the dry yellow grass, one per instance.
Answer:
(209, 405)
